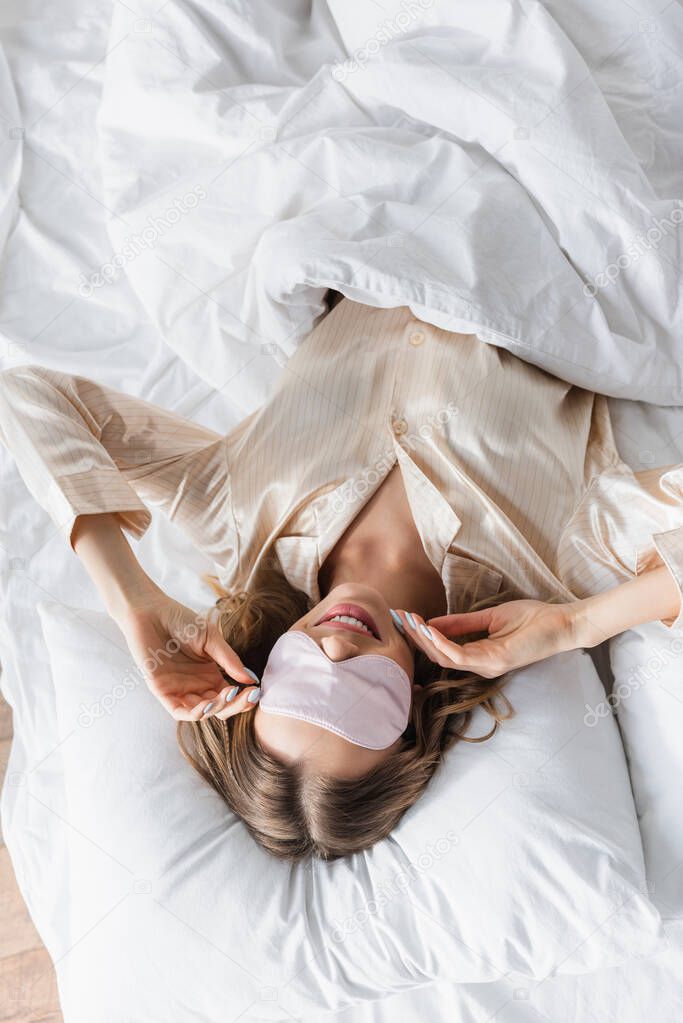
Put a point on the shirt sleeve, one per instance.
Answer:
(82, 448)
(665, 486)
(625, 524)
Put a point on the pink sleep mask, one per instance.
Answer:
(365, 699)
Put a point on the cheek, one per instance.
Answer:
(310, 618)
(408, 659)
(404, 656)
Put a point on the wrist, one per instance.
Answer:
(133, 599)
(648, 597)
(122, 583)
(587, 625)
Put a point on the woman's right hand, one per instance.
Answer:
(181, 654)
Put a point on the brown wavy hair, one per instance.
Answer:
(295, 815)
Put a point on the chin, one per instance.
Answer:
(356, 591)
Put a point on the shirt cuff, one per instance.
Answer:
(97, 492)
(669, 547)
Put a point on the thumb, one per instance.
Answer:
(219, 651)
(461, 624)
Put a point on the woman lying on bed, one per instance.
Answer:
(399, 475)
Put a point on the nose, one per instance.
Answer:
(339, 647)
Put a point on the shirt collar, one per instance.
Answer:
(301, 555)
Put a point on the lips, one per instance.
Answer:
(351, 611)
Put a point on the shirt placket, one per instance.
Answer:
(435, 520)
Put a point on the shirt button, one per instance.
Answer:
(399, 426)
(416, 338)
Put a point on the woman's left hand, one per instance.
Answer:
(519, 632)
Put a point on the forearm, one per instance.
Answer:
(651, 596)
(110, 562)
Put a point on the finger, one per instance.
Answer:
(232, 703)
(209, 705)
(223, 654)
(461, 624)
(252, 678)
(415, 627)
(193, 706)
(474, 656)
(179, 708)
(483, 656)
(174, 706)
(411, 622)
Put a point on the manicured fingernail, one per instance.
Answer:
(397, 620)
(208, 707)
(252, 674)
(232, 694)
(426, 631)
(411, 620)
(254, 696)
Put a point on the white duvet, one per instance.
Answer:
(312, 179)
(507, 168)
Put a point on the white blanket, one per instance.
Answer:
(58, 59)
(495, 168)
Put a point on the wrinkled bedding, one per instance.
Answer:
(496, 211)
(506, 168)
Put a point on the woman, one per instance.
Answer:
(399, 475)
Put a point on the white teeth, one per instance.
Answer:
(351, 621)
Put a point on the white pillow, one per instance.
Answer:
(647, 695)
(523, 857)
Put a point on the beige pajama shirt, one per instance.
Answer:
(512, 475)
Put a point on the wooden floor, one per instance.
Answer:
(28, 989)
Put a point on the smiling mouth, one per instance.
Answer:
(351, 617)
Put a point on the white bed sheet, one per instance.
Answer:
(55, 54)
